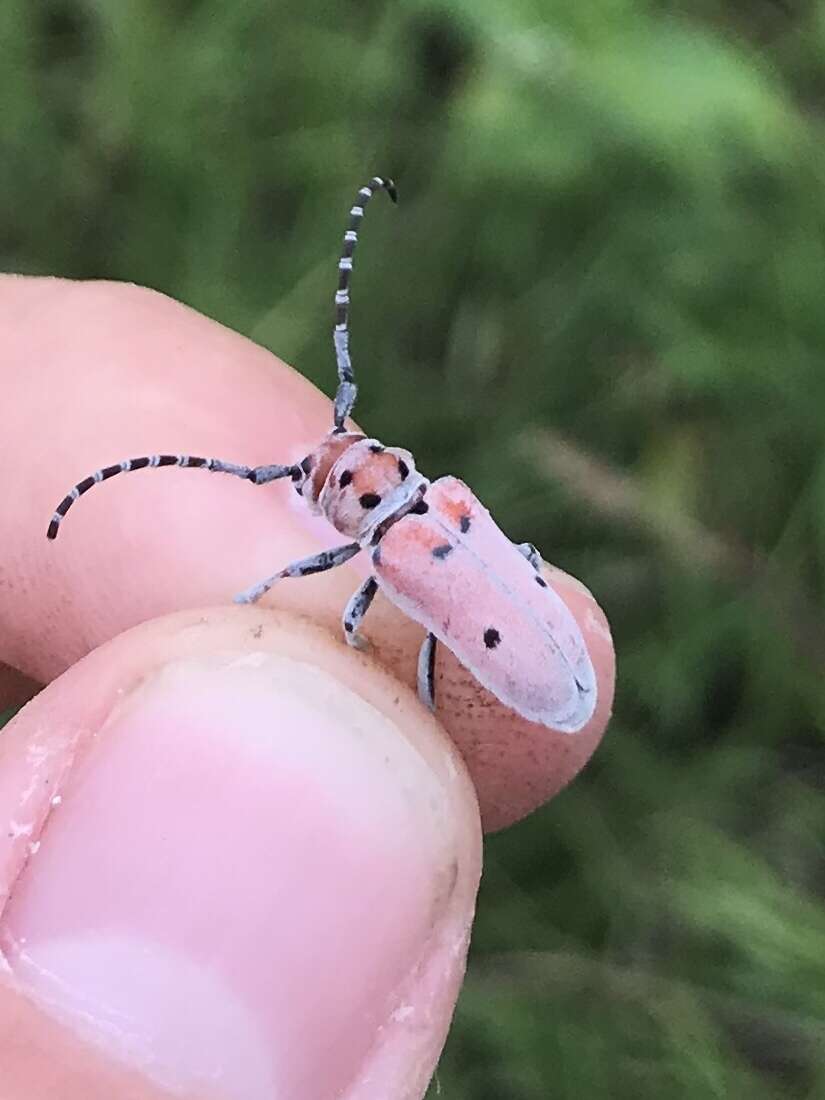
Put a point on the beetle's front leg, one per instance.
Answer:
(317, 563)
(355, 611)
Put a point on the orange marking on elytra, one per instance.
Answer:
(453, 503)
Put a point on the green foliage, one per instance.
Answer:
(608, 258)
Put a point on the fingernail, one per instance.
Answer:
(238, 875)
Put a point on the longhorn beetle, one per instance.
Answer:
(436, 551)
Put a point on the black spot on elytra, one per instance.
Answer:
(376, 448)
(491, 637)
(369, 500)
(345, 479)
(420, 509)
(464, 524)
(442, 551)
(306, 464)
(403, 469)
(541, 581)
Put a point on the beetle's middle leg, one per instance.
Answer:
(355, 611)
(317, 563)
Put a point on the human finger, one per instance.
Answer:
(239, 860)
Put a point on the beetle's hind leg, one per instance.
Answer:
(426, 671)
(317, 563)
(355, 611)
(527, 550)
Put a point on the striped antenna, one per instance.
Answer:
(347, 390)
(258, 475)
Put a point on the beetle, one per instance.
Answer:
(435, 550)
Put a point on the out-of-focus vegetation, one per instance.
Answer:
(601, 301)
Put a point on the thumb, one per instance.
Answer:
(235, 869)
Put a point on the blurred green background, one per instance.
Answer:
(601, 302)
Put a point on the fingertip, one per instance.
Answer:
(302, 878)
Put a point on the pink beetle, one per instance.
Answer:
(436, 551)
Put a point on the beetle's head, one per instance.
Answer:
(316, 466)
(366, 484)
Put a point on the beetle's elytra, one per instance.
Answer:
(436, 551)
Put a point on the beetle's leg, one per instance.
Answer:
(531, 553)
(317, 563)
(355, 611)
(426, 671)
(258, 475)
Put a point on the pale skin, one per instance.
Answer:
(208, 701)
